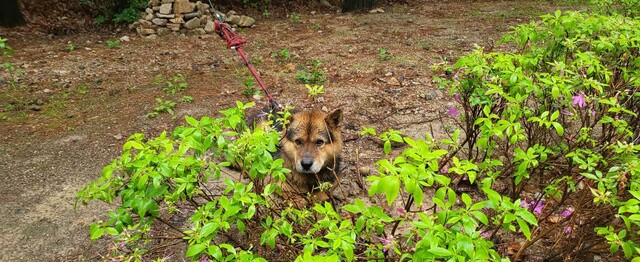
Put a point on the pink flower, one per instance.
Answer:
(485, 235)
(568, 229)
(453, 112)
(401, 211)
(444, 170)
(456, 97)
(579, 100)
(204, 258)
(537, 207)
(387, 243)
(567, 212)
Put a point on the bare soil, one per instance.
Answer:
(78, 100)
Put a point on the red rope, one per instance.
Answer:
(234, 41)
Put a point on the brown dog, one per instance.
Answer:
(311, 147)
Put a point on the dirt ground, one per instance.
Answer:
(78, 100)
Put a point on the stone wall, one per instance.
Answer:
(163, 17)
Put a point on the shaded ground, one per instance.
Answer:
(71, 111)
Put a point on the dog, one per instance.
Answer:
(311, 146)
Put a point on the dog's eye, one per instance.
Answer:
(298, 141)
(319, 143)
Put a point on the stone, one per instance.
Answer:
(197, 31)
(165, 9)
(159, 21)
(364, 170)
(200, 6)
(173, 27)
(183, 6)
(192, 24)
(232, 18)
(376, 11)
(177, 20)
(145, 23)
(393, 81)
(169, 16)
(209, 27)
(167, 1)
(246, 21)
(148, 11)
(125, 38)
(149, 17)
(162, 31)
(153, 3)
(151, 37)
(192, 15)
(156, 8)
(147, 31)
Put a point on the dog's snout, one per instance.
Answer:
(306, 163)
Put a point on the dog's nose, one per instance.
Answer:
(306, 164)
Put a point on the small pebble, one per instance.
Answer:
(365, 170)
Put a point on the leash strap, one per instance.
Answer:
(234, 41)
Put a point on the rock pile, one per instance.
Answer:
(184, 16)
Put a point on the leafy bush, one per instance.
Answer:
(547, 134)
(558, 122)
(629, 8)
(117, 11)
(165, 176)
(159, 181)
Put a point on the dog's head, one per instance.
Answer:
(312, 140)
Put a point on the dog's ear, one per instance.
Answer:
(334, 119)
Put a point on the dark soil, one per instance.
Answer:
(78, 100)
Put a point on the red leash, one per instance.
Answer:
(234, 41)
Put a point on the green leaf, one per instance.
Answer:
(481, 217)
(387, 147)
(96, 231)
(558, 127)
(195, 250)
(466, 199)
(527, 216)
(191, 121)
(348, 253)
(132, 144)
(111, 231)
(391, 188)
(440, 252)
(524, 227)
(208, 229)
(215, 252)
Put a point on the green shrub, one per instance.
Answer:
(116, 11)
(548, 134)
(630, 8)
(558, 120)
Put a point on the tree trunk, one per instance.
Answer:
(10, 14)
